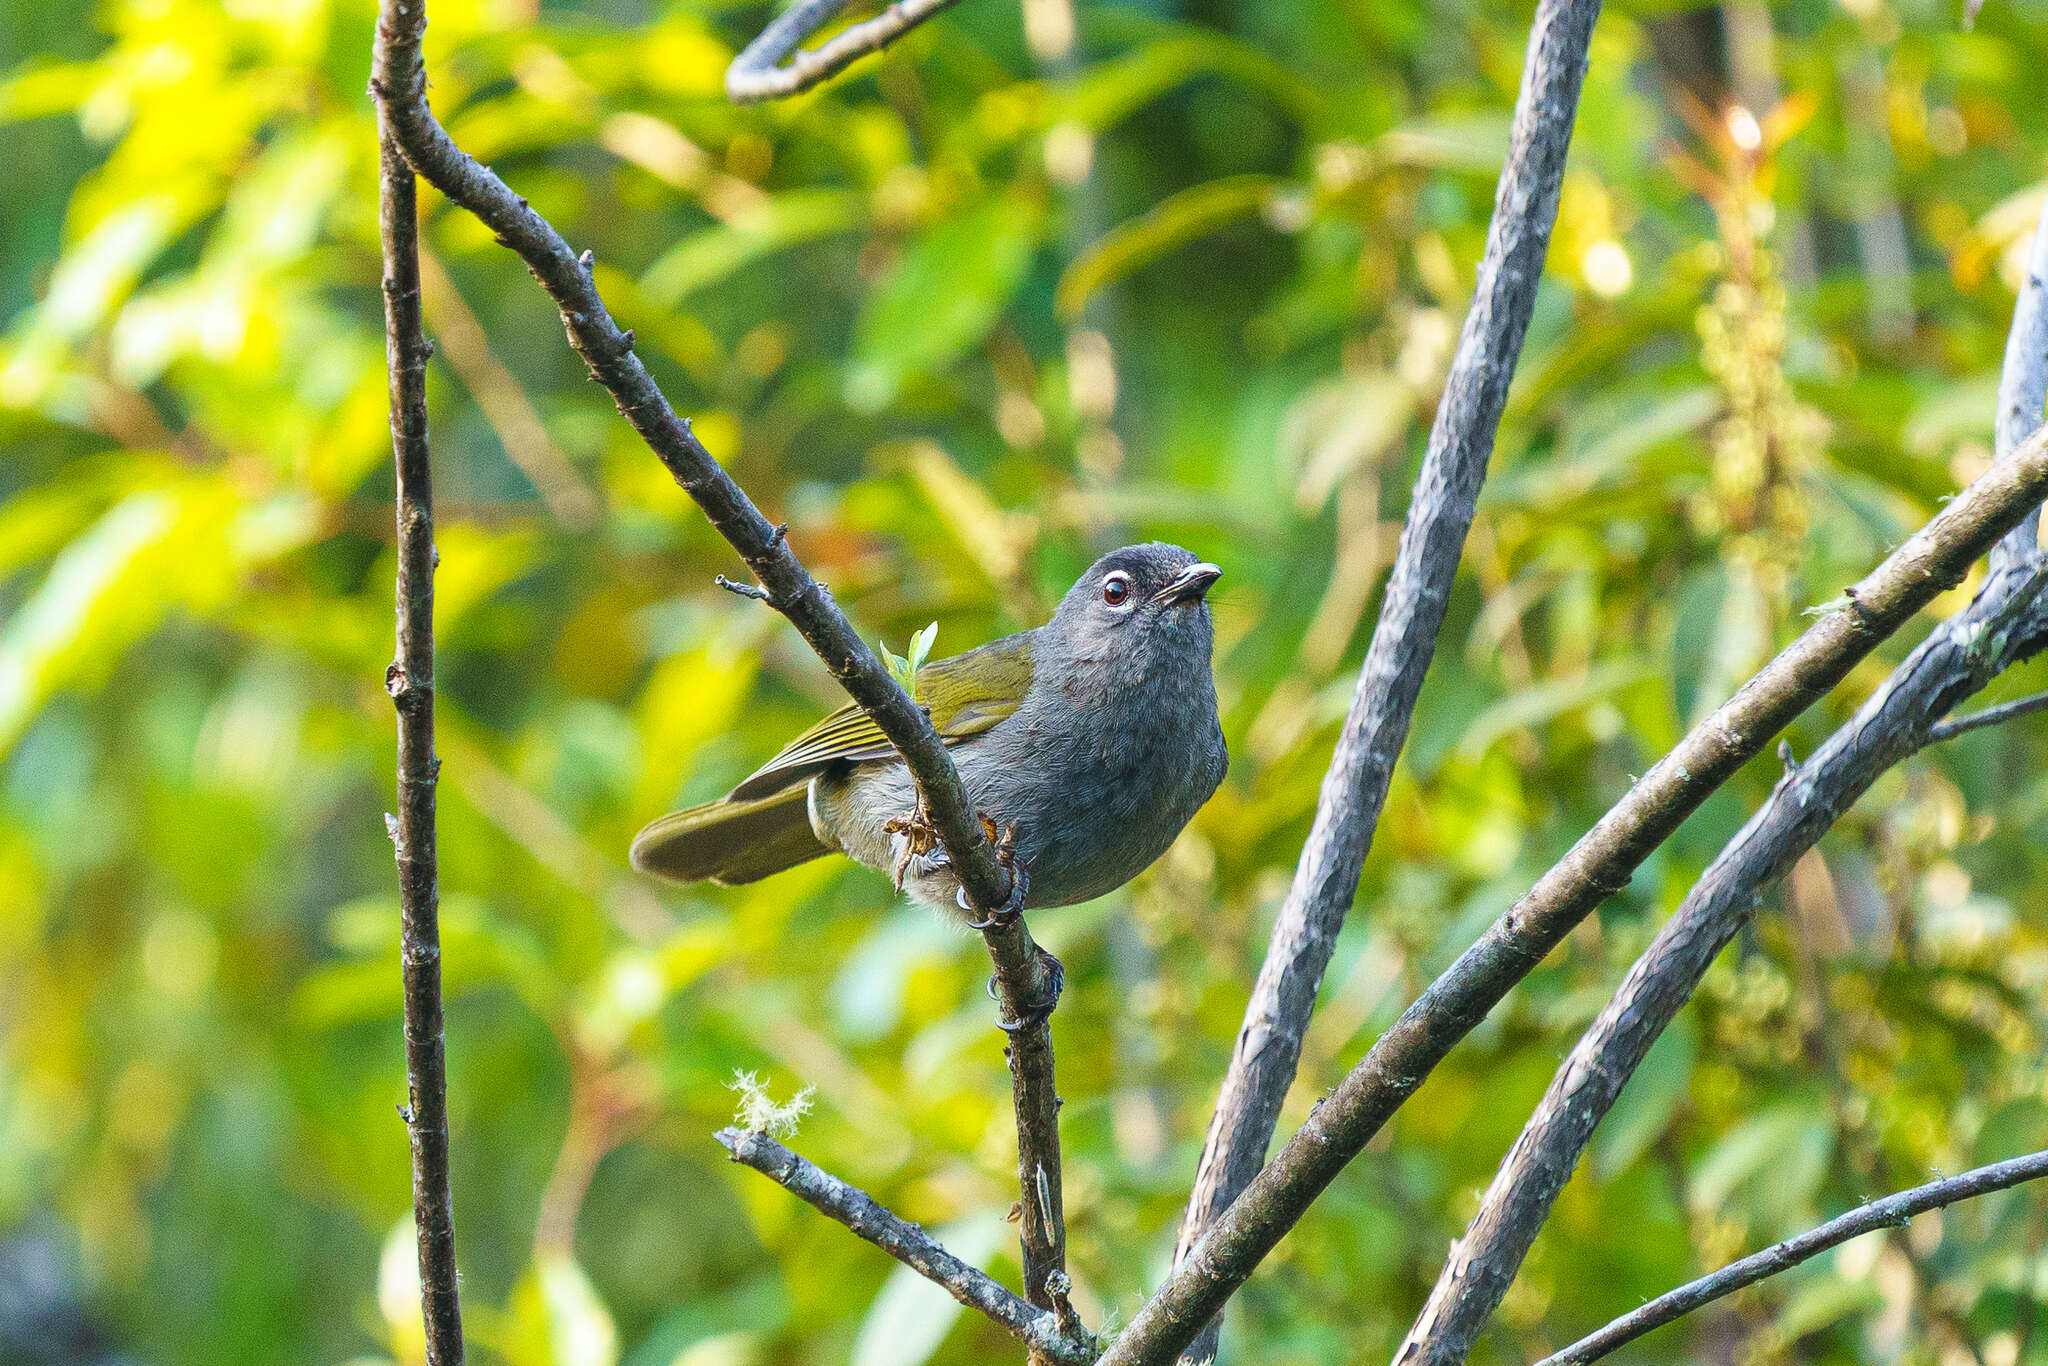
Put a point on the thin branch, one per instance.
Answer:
(410, 681)
(1027, 980)
(758, 74)
(1890, 1212)
(1990, 716)
(909, 1244)
(2005, 622)
(1935, 559)
(1268, 1049)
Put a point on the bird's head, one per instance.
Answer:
(1137, 605)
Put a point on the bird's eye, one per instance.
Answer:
(1116, 590)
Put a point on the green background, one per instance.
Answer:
(967, 317)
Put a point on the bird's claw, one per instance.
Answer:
(1005, 842)
(917, 843)
(1037, 1012)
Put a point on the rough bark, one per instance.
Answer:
(2006, 622)
(1025, 977)
(410, 681)
(1935, 559)
(758, 74)
(1268, 1048)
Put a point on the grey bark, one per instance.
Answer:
(1893, 1211)
(1025, 977)
(1935, 559)
(1039, 1328)
(758, 73)
(2006, 622)
(1268, 1048)
(410, 681)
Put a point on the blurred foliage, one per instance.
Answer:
(1029, 286)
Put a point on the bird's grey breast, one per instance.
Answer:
(1112, 768)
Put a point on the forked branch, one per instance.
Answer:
(1024, 978)
(2006, 621)
(1935, 559)
(1040, 1329)
(758, 72)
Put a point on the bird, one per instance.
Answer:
(1087, 744)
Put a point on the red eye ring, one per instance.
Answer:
(1116, 590)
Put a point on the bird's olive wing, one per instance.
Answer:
(966, 694)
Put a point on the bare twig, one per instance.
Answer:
(1268, 1048)
(1026, 979)
(2005, 622)
(1039, 1328)
(1935, 559)
(1990, 716)
(410, 681)
(1890, 1212)
(758, 74)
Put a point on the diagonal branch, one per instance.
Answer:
(410, 681)
(2005, 622)
(758, 74)
(1040, 1329)
(1268, 1048)
(1935, 559)
(1892, 1211)
(1026, 978)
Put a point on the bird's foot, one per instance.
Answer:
(917, 844)
(1005, 842)
(1034, 1013)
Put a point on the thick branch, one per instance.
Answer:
(1268, 1049)
(1935, 559)
(909, 1244)
(1892, 1211)
(757, 73)
(410, 681)
(1023, 974)
(2005, 622)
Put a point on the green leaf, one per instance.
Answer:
(707, 257)
(1776, 1159)
(1647, 1102)
(942, 296)
(1173, 222)
(921, 647)
(899, 668)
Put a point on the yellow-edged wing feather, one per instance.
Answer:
(966, 694)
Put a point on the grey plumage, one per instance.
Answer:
(1111, 750)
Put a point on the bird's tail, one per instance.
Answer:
(730, 842)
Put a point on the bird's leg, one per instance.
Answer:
(1005, 842)
(917, 843)
(1036, 1012)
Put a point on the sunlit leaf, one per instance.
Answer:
(711, 255)
(1192, 213)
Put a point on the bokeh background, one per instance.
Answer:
(1036, 283)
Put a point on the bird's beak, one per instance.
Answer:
(1191, 584)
